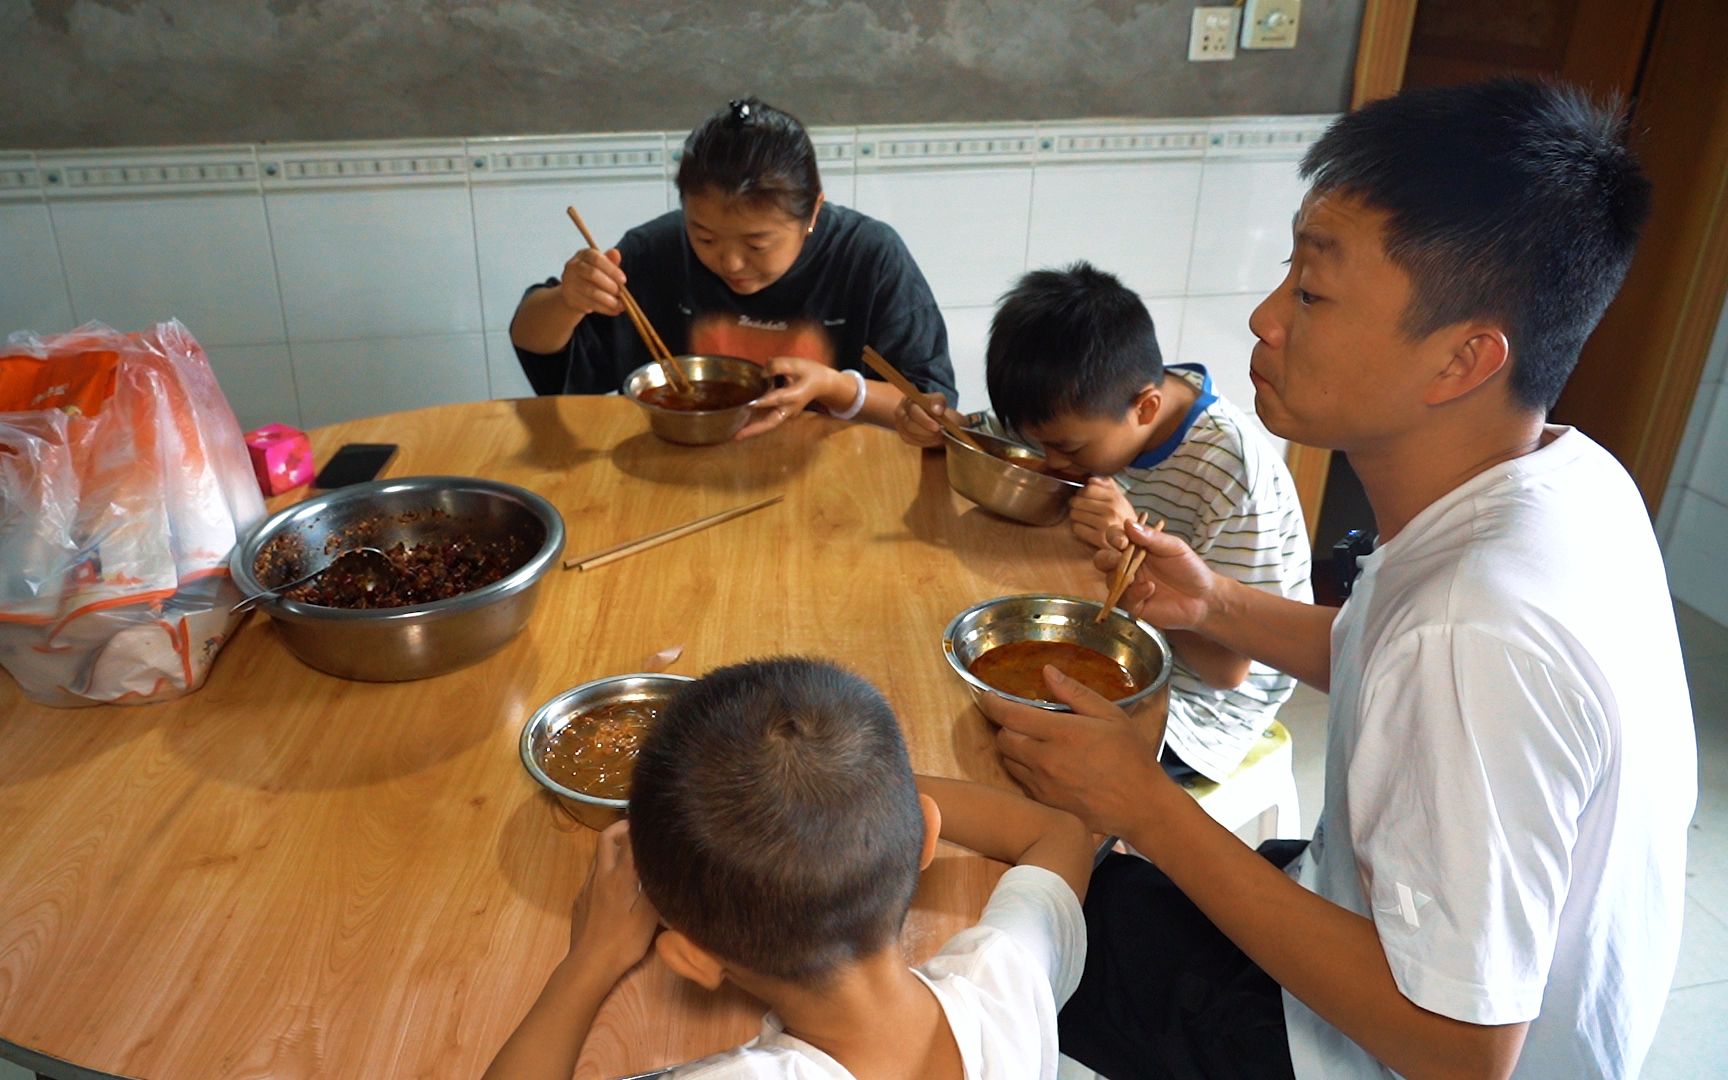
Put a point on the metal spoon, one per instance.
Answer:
(370, 567)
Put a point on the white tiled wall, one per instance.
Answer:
(1148, 246)
(388, 259)
(1694, 517)
(125, 256)
(1215, 333)
(35, 291)
(329, 281)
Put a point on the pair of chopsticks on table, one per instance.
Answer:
(650, 337)
(927, 402)
(630, 547)
(1125, 571)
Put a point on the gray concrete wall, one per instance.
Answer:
(93, 73)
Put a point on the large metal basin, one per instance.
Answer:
(401, 643)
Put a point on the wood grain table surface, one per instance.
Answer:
(287, 874)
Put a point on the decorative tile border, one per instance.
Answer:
(565, 157)
(135, 172)
(20, 180)
(1066, 143)
(1279, 137)
(527, 159)
(938, 146)
(836, 148)
(290, 166)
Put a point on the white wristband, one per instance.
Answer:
(858, 396)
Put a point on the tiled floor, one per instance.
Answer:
(1693, 1040)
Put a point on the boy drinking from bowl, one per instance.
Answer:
(1073, 365)
(777, 832)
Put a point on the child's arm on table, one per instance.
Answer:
(1013, 829)
(611, 928)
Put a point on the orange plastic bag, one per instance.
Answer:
(124, 483)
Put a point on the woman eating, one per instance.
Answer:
(755, 264)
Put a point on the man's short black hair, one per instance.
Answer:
(774, 819)
(1511, 200)
(752, 151)
(1074, 341)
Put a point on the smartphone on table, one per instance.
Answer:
(354, 463)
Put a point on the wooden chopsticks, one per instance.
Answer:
(919, 398)
(1125, 571)
(630, 547)
(650, 337)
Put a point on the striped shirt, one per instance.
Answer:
(1220, 486)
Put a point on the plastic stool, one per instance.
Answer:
(1262, 790)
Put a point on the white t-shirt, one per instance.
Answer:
(1000, 985)
(1217, 483)
(1511, 767)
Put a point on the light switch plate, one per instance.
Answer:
(1270, 24)
(1212, 34)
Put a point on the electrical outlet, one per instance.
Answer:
(1270, 24)
(1212, 34)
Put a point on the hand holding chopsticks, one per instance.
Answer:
(918, 397)
(1125, 571)
(650, 337)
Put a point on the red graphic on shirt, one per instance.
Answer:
(760, 340)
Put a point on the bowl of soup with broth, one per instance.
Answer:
(999, 648)
(715, 407)
(1009, 480)
(582, 745)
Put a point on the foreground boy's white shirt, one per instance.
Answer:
(1511, 767)
(1000, 984)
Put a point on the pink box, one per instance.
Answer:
(281, 457)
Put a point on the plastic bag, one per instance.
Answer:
(124, 483)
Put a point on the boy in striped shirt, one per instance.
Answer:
(1073, 365)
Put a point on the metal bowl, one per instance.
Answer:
(414, 642)
(1046, 617)
(549, 719)
(707, 426)
(1001, 487)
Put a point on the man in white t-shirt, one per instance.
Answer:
(777, 832)
(1496, 881)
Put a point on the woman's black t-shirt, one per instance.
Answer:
(853, 284)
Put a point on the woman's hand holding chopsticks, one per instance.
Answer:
(592, 283)
(645, 329)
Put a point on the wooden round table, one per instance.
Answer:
(287, 874)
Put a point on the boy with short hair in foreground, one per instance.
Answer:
(777, 831)
(1073, 365)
